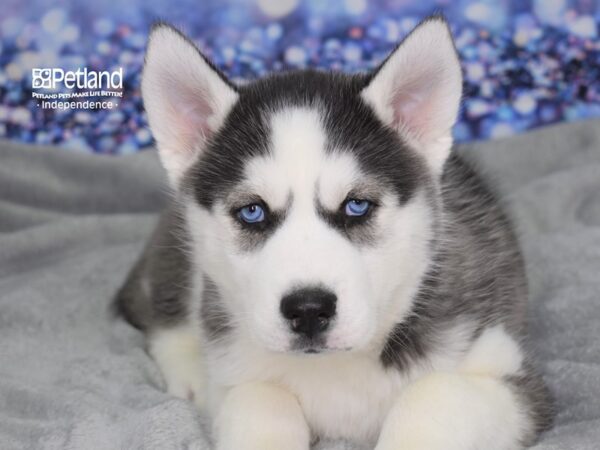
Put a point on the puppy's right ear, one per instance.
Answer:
(417, 90)
(185, 96)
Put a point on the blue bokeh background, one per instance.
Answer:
(527, 63)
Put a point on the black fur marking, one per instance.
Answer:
(404, 346)
(243, 136)
(213, 314)
(350, 125)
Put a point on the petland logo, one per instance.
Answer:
(81, 79)
(88, 83)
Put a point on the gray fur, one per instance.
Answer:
(476, 277)
(477, 274)
(156, 292)
(215, 319)
(535, 398)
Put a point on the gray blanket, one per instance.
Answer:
(72, 224)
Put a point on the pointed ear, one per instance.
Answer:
(185, 96)
(417, 90)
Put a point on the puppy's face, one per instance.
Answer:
(311, 198)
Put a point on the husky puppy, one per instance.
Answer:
(328, 268)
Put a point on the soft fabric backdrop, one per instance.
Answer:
(71, 226)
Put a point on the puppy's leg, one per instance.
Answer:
(449, 411)
(261, 416)
(177, 351)
(157, 298)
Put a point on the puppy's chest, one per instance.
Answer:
(342, 396)
(349, 401)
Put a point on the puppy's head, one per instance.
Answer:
(311, 198)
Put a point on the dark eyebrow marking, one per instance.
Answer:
(357, 229)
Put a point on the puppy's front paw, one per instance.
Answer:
(260, 416)
(453, 411)
(177, 352)
(186, 382)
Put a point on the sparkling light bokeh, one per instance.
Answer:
(526, 63)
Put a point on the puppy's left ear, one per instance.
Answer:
(417, 90)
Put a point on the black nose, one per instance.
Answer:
(309, 310)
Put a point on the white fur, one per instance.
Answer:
(185, 99)
(417, 91)
(495, 353)
(342, 394)
(449, 411)
(372, 285)
(465, 406)
(260, 416)
(178, 352)
(260, 395)
(263, 400)
(454, 400)
(350, 395)
(335, 390)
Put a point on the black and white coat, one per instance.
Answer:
(423, 346)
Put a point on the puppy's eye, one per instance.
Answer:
(357, 207)
(253, 213)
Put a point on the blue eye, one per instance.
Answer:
(356, 207)
(252, 213)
